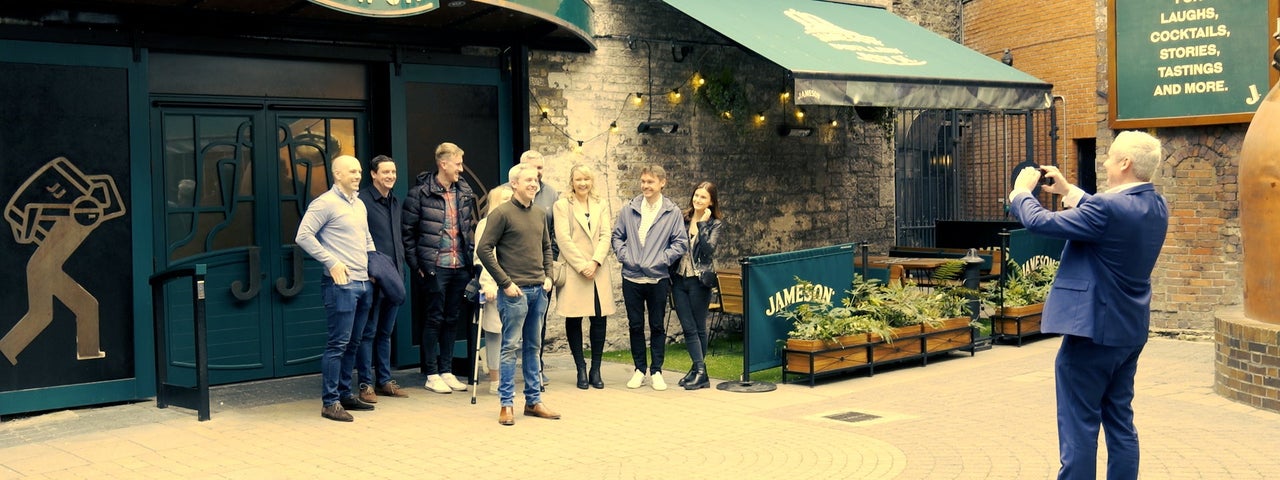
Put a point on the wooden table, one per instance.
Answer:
(917, 270)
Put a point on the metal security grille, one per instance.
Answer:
(959, 164)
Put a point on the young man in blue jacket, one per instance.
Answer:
(648, 238)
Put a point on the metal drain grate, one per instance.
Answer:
(852, 417)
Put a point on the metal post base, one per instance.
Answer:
(746, 386)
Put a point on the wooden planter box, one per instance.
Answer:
(905, 343)
(1016, 323)
(953, 334)
(816, 356)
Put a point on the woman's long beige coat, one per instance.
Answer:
(583, 239)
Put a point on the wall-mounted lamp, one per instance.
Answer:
(794, 131)
(657, 127)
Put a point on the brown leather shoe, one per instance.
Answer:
(507, 416)
(540, 410)
(391, 389)
(336, 412)
(367, 395)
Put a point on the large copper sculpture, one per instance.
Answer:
(1259, 180)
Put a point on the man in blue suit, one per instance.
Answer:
(1101, 298)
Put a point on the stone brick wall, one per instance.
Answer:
(1054, 42)
(1247, 360)
(777, 194)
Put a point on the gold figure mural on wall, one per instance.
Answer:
(57, 208)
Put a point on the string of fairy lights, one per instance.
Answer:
(674, 95)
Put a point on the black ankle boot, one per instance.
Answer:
(688, 377)
(582, 377)
(700, 379)
(596, 382)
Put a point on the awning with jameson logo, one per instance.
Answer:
(841, 54)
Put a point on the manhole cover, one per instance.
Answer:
(852, 417)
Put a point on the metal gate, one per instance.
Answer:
(959, 164)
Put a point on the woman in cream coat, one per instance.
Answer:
(582, 229)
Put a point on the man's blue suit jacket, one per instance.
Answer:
(1103, 287)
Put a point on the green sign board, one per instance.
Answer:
(380, 8)
(1188, 62)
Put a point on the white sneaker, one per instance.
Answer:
(658, 383)
(637, 379)
(436, 384)
(493, 388)
(453, 382)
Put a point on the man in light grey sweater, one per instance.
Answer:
(335, 231)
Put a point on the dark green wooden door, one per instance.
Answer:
(235, 181)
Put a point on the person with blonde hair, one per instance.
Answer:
(438, 224)
(516, 251)
(582, 230)
(648, 239)
(490, 322)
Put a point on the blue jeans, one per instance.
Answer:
(444, 299)
(521, 332)
(346, 308)
(638, 298)
(692, 298)
(374, 366)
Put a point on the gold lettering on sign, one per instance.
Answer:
(42, 213)
(866, 47)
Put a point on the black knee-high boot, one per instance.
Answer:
(573, 330)
(598, 328)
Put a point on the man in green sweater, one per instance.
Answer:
(516, 251)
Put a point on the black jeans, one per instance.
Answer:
(692, 298)
(638, 298)
(444, 299)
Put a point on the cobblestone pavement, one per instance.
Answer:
(985, 417)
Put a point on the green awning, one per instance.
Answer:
(841, 54)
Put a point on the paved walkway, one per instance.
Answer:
(984, 417)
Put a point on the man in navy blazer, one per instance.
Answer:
(374, 363)
(1101, 298)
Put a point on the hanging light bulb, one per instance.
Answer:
(835, 123)
(783, 96)
(698, 80)
(799, 114)
(544, 112)
(674, 96)
(727, 115)
(613, 126)
(760, 117)
(638, 99)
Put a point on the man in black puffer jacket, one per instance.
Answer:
(438, 225)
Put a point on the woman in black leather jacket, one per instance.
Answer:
(693, 277)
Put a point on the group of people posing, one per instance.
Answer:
(531, 243)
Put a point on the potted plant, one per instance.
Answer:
(1019, 301)
(829, 336)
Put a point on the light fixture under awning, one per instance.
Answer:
(842, 54)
